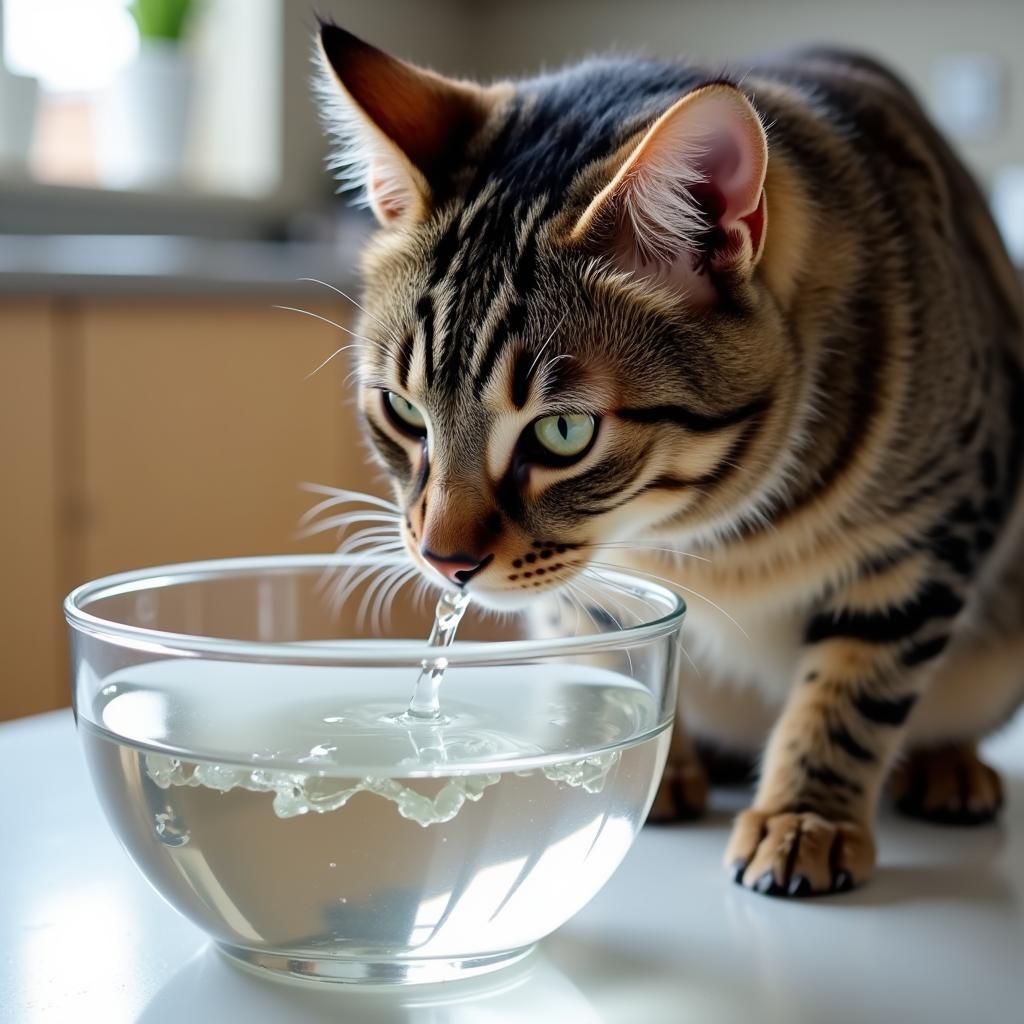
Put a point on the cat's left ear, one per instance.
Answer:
(687, 202)
(399, 128)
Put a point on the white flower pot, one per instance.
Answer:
(17, 118)
(142, 119)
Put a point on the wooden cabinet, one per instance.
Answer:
(140, 432)
(32, 662)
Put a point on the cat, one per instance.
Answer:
(761, 317)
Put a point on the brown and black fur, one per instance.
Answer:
(839, 430)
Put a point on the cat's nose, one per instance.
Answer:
(460, 568)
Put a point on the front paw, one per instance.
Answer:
(787, 854)
(949, 785)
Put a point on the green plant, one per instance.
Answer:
(161, 19)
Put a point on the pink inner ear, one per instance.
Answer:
(731, 194)
(388, 195)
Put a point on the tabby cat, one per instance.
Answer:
(763, 318)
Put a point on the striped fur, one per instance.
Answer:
(840, 432)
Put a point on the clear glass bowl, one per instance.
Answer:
(241, 732)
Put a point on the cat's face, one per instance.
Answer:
(549, 365)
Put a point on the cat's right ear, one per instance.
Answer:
(398, 127)
(686, 203)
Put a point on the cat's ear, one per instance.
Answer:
(398, 127)
(687, 201)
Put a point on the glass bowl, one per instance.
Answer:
(244, 734)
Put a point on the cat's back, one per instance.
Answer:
(831, 108)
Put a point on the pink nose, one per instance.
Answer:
(460, 568)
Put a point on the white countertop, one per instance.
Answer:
(938, 936)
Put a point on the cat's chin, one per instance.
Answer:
(510, 600)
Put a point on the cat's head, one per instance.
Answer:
(568, 341)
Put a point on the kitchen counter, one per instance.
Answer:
(937, 937)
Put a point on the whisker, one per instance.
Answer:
(654, 608)
(343, 521)
(380, 323)
(671, 584)
(370, 594)
(618, 623)
(629, 546)
(322, 506)
(336, 352)
(326, 320)
(550, 337)
(342, 493)
(625, 591)
(353, 577)
(390, 595)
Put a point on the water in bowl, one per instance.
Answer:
(329, 827)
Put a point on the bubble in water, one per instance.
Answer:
(298, 793)
(169, 830)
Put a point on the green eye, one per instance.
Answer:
(565, 436)
(404, 414)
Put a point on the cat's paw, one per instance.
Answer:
(949, 785)
(804, 854)
(682, 795)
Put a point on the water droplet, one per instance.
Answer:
(169, 830)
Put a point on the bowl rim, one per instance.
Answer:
(399, 651)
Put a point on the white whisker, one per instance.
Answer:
(342, 522)
(336, 352)
(353, 496)
(327, 320)
(671, 584)
(616, 545)
(380, 323)
(550, 337)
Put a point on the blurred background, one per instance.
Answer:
(162, 188)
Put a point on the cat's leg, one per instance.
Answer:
(810, 827)
(978, 687)
(683, 792)
(948, 784)
(719, 731)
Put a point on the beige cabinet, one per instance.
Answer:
(31, 643)
(139, 432)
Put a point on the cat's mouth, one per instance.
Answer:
(507, 580)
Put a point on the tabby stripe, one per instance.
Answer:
(405, 360)
(969, 430)
(425, 312)
(871, 344)
(936, 601)
(954, 551)
(393, 453)
(521, 378)
(721, 471)
(925, 651)
(1015, 465)
(884, 712)
(828, 777)
(445, 252)
(842, 738)
(697, 422)
(423, 475)
(513, 324)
